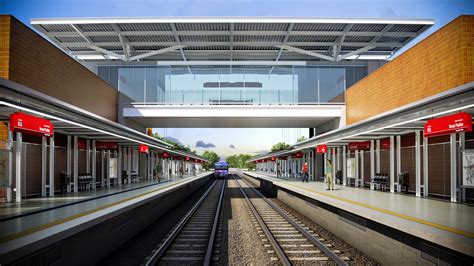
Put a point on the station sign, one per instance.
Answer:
(143, 148)
(365, 145)
(273, 158)
(460, 122)
(177, 158)
(322, 148)
(187, 158)
(165, 155)
(32, 125)
(102, 145)
(297, 155)
(81, 144)
(283, 158)
(385, 144)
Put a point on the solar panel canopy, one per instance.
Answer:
(229, 38)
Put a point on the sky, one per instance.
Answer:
(242, 140)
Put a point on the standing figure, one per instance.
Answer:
(329, 175)
(305, 172)
(278, 170)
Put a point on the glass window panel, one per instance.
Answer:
(125, 84)
(138, 85)
(151, 95)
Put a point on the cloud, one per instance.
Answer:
(202, 144)
(231, 146)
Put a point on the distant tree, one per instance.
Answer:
(212, 157)
(280, 146)
(240, 161)
(301, 138)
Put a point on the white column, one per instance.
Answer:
(107, 168)
(94, 164)
(119, 166)
(361, 179)
(10, 165)
(377, 156)
(51, 166)
(462, 146)
(129, 165)
(325, 159)
(44, 161)
(425, 167)
(18, 157)
(338, 160)
(344, 166)
(102, 167)
(372, 163)
(453, 164)
(392, 164)
(356, 168)
(417, 164)
(68, 163)
(76, 164)
(399, 159)
(88, 156)
(333, 150)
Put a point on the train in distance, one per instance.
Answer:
(221, 169)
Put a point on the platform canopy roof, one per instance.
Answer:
(230, 38)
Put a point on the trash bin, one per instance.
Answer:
(403, 180)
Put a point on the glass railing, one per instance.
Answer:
(239, 85)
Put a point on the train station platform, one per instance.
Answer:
(441, 222)
(36, 223)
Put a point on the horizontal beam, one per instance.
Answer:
(252, 44)
(301, 51)
(231, 63)
(236, 33)
(157, 52)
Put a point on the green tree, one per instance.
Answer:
(301, 138)
(280, 146)
(240, 161)
(212, 157)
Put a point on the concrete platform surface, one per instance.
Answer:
(442, 222)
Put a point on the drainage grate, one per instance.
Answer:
(438, 256)
(353, 220)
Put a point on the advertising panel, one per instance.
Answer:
(468, 168)
(365, 145)
(113, 168)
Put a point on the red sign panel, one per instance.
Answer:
(165, 155)
(460, 122)
(322, 148)
(99, 145)
(187, 158)
(177, 158)
(359, 145)
(385, 144)
(32, 125)
(283, 158)
(81, 144)
(297, 155)
(273, 158)
(143, 148)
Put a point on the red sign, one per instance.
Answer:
(100, 145)
(187, 158)
(273, 158)
(297, 155)
(177, 158)
(283, 157)
(31, 125)
(81, 144)
(143, 148)
(385, 144)
(359, 145)
(322, 148)
(460, 122)
(165, 155)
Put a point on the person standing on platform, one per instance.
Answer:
(278, 170)
(329, 175)
(305, 172)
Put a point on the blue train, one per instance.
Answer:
(221, 169)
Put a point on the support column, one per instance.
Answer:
(129, 165)
(76, 164)
(107, 168)
(119, 166)
(356, 182)
(462, 146)
(44, 161)
(344, 166)
(399, 159)
(453, 164)
(392, 164)
(10, 165)
(417, 164)
(51, 166)
(325, 159)
(377, 156)
(333, 150)
(68, 163)
(102, 167)
(361, 179)
(94, 164)
(18, 157)
(425, 167)
(372, 164)
(88, 156)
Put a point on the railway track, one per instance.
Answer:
(292, 241)
(191, 241)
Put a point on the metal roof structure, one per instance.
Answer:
(70, 120)
(404, 120)
(229, 38)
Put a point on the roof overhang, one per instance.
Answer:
(229, 38)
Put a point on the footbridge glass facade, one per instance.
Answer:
(221, 85)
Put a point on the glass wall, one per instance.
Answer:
(208, 85)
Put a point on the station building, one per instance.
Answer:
(108, 80)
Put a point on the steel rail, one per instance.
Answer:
(207, 259)
(308, 235)
(280, 253)
(169, 240)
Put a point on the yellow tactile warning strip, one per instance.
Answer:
(67, 219)
(414, 219)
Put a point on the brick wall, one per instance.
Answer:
(37, 64)
(440, 62)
